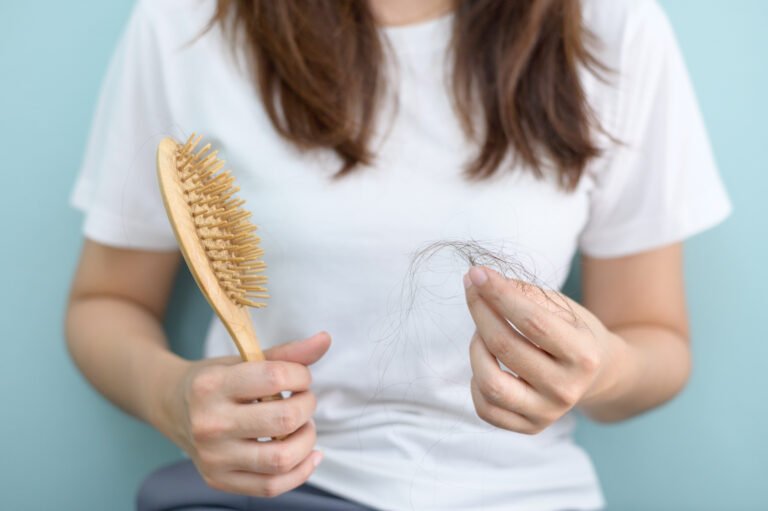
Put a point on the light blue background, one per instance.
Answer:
(63, 447)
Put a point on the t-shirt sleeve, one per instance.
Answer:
(116, 187)
(658, 184)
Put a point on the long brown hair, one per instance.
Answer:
(516, 63)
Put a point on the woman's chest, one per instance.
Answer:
(411, 197)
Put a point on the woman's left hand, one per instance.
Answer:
(565, 356)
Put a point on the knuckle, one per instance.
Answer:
(208, 427)
(551, 387)
(492, 390)
(480, 407)
(270, 488)
(531, 428)
(280, 461)
(287, 420)
(588, 361)
(536, 323)
(276, 377)
(500, 345)
(566, 394)
(206, 382)
(484, 412)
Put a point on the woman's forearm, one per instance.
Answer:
(654, 368)
(121, 349)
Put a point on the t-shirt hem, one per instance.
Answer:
(532, 490)
(589, 499)
(81, 195)
(108, 229)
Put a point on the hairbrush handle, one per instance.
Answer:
(240, 327)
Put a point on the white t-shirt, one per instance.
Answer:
(395, 416)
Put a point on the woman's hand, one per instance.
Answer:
(213, 416)
(565, 356)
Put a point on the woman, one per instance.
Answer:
(361, 133)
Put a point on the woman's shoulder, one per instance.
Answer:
(176, 19)
(176, 9)
(618, 23)
(632, 40)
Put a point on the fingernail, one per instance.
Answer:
(318, 458)
(467, 281)
(477, 275)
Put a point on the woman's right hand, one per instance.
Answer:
(213, 416)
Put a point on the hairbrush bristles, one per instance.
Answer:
(221, 224)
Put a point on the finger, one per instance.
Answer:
(259, 485)
(276, 457)
(511, 299)
(304, 351)
(275, 418)
(499, 387)
(506, 344)
(248, 381)
(499, 417)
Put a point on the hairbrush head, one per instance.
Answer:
(211, 225)
(221, 223)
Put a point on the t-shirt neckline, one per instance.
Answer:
(429, 35)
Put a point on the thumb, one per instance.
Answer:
(304, 351)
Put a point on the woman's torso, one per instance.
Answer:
(395, 417)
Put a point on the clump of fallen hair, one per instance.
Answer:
(475, 253)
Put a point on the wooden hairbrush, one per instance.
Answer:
(215, 237)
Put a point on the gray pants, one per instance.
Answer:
(179, 487)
